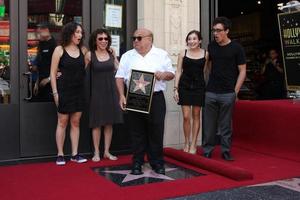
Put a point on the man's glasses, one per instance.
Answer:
(216, 30)
(138, 38)
(102, 38)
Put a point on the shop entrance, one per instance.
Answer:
(27, 115)
(255, 26)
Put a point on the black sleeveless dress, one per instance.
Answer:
(191, 87)
(70, 84)
(104, 101)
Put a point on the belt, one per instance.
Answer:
(158, 92)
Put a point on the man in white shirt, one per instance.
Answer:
(146, 130)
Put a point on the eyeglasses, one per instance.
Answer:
(216, 30)
(138, 38)
(102, 38)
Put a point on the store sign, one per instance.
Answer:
(289, 25)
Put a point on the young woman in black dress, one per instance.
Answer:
(68, 89)
(104, 104)
(189, 87)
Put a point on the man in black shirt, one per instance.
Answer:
(46, 47)
(227, 72)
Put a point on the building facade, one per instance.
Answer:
(27, 125)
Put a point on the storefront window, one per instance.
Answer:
(4, 53)
(115, 21)
(45, 21)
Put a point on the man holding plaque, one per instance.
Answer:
(146, 129)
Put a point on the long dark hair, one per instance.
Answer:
(67, 33)
(193, 32)
(93, 39)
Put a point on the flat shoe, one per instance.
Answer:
(192, 151)
(96, 158)
(186, 148)
(110, 157)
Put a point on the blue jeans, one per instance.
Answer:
(217, 117)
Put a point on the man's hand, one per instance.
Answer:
(159, 75)
(122, 102)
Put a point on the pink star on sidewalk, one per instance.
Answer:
(148, 173)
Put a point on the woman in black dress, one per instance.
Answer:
(104, 104)
(68, 89)
(189, 87)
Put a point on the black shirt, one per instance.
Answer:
(224, 71)
(43, 60)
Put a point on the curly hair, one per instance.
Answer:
(67, 33)
(93, 39)
(193, 32)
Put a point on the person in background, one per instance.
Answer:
(227, 72)
(46, 46)
(68, 90)
(147, 130)
(272, 71)
(189, 87)
(104, 103)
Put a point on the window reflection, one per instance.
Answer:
(4, 53)
(45, 21)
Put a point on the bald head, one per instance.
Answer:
(142, 40)
(143, 32)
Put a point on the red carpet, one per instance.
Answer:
(223, 169)
(269, 127)
(266, 146)
(46, 181)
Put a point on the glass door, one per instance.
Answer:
(9, 104)
(40, 28)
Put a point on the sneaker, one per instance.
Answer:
(78, 158)
(60, 160)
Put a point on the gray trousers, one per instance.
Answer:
(217, 117)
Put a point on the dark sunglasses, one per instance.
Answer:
(102, 38)
(138, 38)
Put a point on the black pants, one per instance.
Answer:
(147, 132)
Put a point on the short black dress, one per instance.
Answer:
(104, 100)
(191, 87)
(70, 84)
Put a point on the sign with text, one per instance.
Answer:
(113, 16)
(289, 26)
(140, 91)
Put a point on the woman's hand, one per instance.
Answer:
(176, 95)
(122, 102)
(55, 97)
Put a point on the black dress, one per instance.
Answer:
(70, 84)
(104, 101)
(191, 87)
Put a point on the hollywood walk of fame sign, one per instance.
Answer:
(289, 27)
(140, 91)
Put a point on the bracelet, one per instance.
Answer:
(49, 79)
(55, 93)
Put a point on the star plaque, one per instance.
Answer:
(140, 91)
